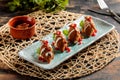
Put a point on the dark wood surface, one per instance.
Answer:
(110, 72)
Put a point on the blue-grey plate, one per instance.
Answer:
(29, 53)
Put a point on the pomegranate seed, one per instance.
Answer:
(58, 32)
(45, 42)
(67, 49)
(94, 34)
(89, 18)
(57, 48)
(73, 25)
(95, 31)
(40, 58)
(80, 42)
(53, 43)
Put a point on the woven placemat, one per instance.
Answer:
(87, 61)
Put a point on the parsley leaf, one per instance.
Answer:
(38, 51)
(82, 24)
(65, 32)
(45, 5)
(53, 36)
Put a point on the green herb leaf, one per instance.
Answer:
(82, 23)
(53, 36)
(38, 51)
(45, 5)
(12, 8)
(65, 32)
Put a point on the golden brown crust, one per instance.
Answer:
(74, 36)
(43, 54)
(61, 44)
(89, 26)
(88, 31)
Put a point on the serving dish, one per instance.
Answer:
(29, 53)
(22, 27)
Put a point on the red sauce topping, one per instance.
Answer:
(93, 34)
(41, 59)
(89, 18)
(53, 43)
(67, 49)
(73, 25)
(56, 48)
(45, 42)
(58, 33)
(80, 43)
(95, 31)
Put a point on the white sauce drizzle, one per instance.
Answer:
(86, 25)
(42, 51)
(57, 41)
(48, 53)
(70, 33)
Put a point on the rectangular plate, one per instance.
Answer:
(102, 26)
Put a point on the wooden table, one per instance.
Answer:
(110, 72)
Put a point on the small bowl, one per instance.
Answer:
(22, 27)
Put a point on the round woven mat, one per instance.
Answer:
(87, 61)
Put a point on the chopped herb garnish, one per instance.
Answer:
(82, 24)
(53, 36)
(65, 32)
(38, 51)
(45, 5)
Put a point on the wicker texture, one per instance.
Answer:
(89, 60)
